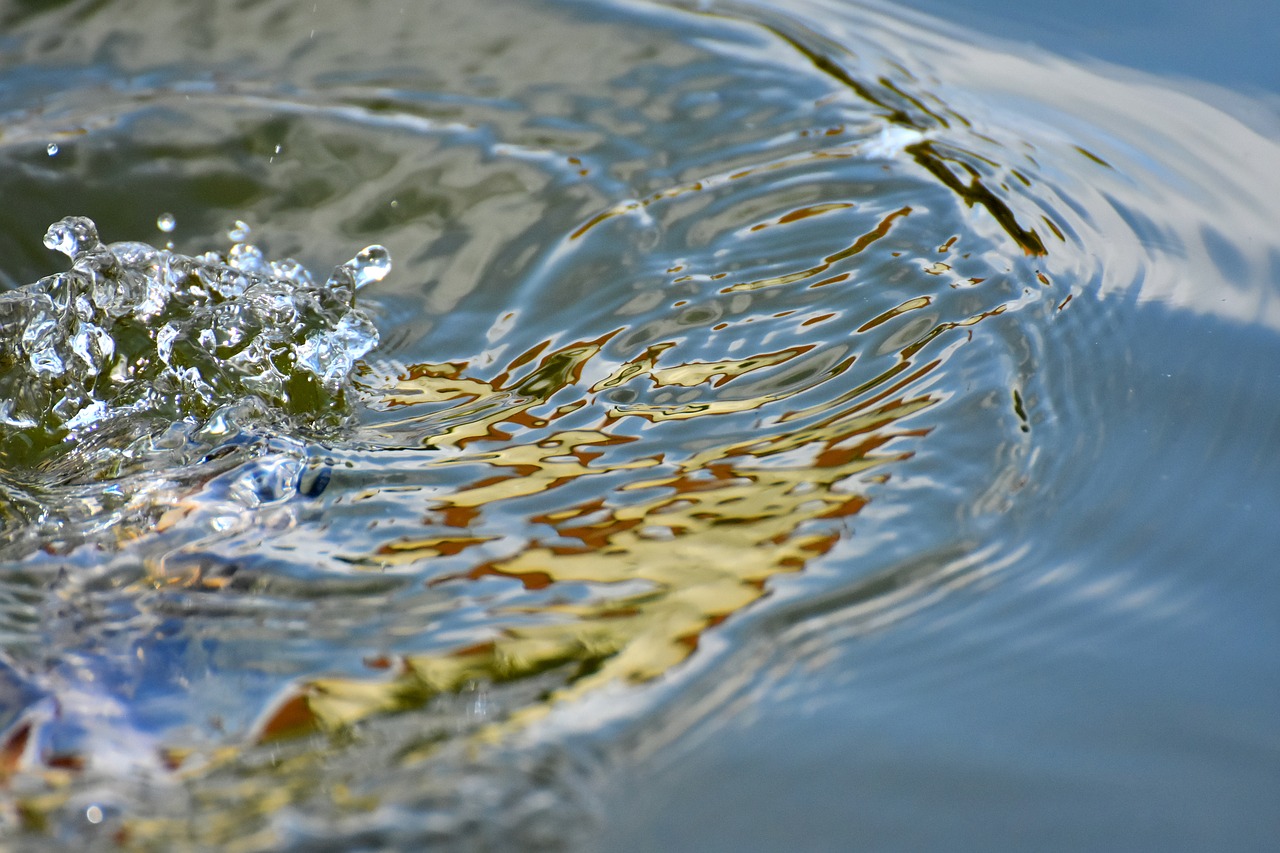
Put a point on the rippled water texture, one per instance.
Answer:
(788, 425)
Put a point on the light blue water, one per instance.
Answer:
(793, 426)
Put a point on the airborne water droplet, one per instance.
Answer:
(72, 235)
(239, 232)
(372, 264)
(166, 223)
(52, 149)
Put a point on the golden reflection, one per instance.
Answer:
(696, 373)
(703, 546)
(856, 247)
(716, 181)
(802, 213)
(477, 406)
(666, 555)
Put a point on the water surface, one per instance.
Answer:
(789, 425)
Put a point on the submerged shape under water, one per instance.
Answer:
(725, 342)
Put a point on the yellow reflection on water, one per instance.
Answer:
(699, 544)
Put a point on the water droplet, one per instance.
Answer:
(372, 264)
(52, 148)
(72, 235)
(247, 259)
(290, 270)
(239, 232)
(166, 223)
(93, 814)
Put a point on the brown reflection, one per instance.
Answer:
(901, 108)
(909, 305)
(856, 247)
(703, 546)
(975, 192)
(843, 152)
(477, 407)
(802, 213)
(674, 550)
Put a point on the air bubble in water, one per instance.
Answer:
(267, 481)
(52, 148)
(166, 223)
(372, 264)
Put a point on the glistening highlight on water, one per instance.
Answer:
(784, 426)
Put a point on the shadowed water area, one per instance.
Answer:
(738, 426)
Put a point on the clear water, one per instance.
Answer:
(131, 330)
(789, 426)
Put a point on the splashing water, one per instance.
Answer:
(132, 331)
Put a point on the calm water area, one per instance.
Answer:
(807, 425)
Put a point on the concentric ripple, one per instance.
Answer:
(718, 339)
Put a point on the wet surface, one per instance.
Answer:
(787, 426)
